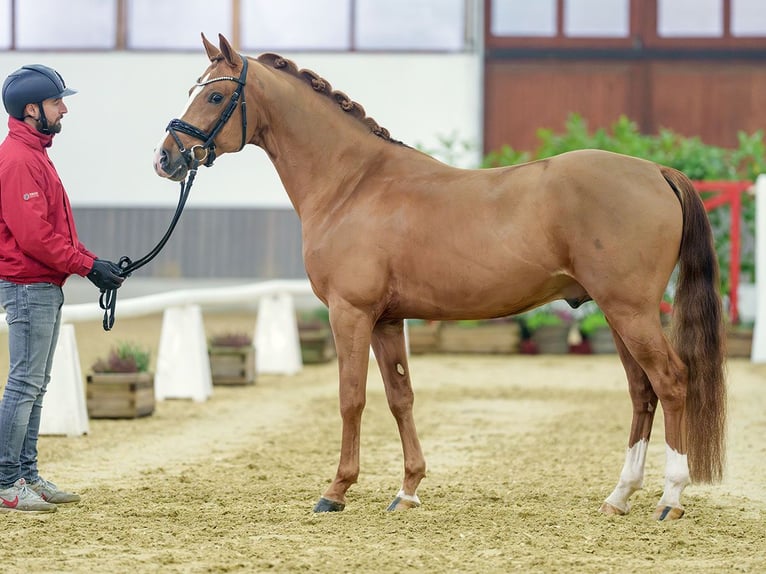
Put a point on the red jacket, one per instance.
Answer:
(38, 239)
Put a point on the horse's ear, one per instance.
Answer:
(213, 53)
(229, 54)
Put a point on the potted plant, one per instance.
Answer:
(595, 329)
(547, 330)
(315, 334)
(120, 384)
(232, 359)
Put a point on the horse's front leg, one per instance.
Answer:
(352, 332)
(391, 353)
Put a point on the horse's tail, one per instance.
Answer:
(698, 335)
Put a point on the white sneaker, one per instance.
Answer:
(22, 498)
(49, 492)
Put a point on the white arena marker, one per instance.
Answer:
(277, 344)
(64, 409)
(183, 365)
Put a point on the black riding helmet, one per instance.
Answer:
(32, 84)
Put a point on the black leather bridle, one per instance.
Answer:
(205, 153)
(193, 157)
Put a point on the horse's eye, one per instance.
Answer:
(215, 98)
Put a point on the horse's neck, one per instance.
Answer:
(318, 153)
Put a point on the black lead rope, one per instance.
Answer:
(108, 298)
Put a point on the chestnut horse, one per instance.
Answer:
(391, 233)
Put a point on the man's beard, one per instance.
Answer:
(52, 128)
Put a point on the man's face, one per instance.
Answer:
(54, 109)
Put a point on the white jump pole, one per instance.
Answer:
(758, 354)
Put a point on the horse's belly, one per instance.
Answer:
(480, 297)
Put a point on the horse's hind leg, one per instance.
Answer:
(644, 402)
(643, 338)
(390, 351)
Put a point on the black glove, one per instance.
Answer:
(105, 275)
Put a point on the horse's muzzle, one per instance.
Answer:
(167, 166)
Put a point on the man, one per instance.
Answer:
(39, 249)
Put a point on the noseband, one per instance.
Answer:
(205, 153)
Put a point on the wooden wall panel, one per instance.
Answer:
(208, 243)
(713, 100)
(523, 96)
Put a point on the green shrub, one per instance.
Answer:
(593, 321)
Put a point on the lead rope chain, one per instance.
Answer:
(108, 298)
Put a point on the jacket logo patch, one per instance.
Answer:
(28, 196)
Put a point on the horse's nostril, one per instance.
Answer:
(163, 157)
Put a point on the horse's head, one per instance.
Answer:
(204, 129)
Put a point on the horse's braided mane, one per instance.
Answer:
(323, 87)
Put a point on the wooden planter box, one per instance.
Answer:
(490, 338)
(317, 344)
(424, 337)
(120, 395)
(739, 343)
(232, 365)
(601, 341)
(552, 339)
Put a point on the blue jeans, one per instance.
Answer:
(33, 316)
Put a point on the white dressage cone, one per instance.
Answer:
(183, 365)
(277, 345)
(64, 408)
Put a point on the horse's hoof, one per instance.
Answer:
(611, 510)
(327, 505)
(668, 513)
(400, 503)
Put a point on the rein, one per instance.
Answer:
(108, 298)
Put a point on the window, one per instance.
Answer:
(173, 24)
(523, 18)
(253, 25)
(409, 25)
(690, 18)
(559, 23)
(597, 18)
(5, 24)
(629, 25)
(94, 27)
(297, 25)
(748, 18)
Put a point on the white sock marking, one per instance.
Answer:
(631, 477)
